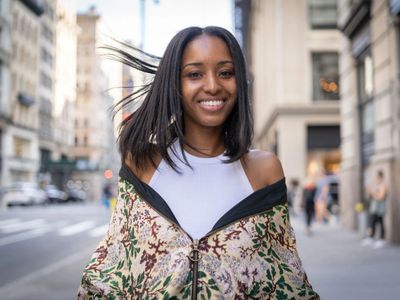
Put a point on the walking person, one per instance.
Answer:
(294, 196)
(106, 196)
(199, 215)
(322, 199)
(309, 192)
(377, 208)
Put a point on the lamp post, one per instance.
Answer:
(143, 21)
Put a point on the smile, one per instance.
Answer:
(213, 105)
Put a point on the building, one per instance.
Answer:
(94, 131)
(61, 163)
(5, 84)
(293, 55)
(20, 141)
(370, 106)
(46, 87)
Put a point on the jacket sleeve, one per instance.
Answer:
(99, 279)
(286, 272)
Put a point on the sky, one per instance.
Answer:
(163, 18)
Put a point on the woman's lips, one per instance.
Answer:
(212, 105)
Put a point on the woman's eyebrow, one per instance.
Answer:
(223, 62)
(196, 64)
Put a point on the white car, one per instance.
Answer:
(54, 194)
(23, 193)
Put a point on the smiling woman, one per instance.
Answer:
(208, 83)
(199, 215)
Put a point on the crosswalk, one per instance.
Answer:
(15, 230)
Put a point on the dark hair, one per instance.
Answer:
(158, 121)
(380, 173)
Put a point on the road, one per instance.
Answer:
(43, 250)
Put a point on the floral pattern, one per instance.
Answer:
(146, 256)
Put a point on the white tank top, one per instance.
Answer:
(200, 196)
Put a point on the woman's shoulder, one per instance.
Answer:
(145, 172)
(262, 168)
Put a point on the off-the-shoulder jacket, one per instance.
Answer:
(249, 254)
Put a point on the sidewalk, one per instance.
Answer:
(338, 266)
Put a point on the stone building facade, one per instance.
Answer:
(370, 107)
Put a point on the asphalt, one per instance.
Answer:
(339, 267)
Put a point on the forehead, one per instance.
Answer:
(206, 47)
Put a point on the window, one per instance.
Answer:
(325, 76)
(21, 147)
(367, 110)
(45, 80)
(323, 137)
(47, 33)
(46, 57)
(45, 105)
(323, 14)
(48, 10)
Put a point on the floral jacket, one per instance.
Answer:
(249, 254)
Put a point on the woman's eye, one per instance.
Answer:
(194, 75)
(226, 74)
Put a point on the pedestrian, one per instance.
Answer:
(106, 195)
(198, 215)
(377, 193)
(295, 196)
(309, 192)
(322, 199)
(292, 191)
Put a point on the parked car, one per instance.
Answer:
(75, 195)
(54, 194)
(23, 193)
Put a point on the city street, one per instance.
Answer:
(44, 249)
(340, 268)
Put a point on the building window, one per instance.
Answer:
(21, 147)
(45, 80)
(46, 57)
(323, 14)
(47, 33)
(367, 110)
(323, 137)
(325, 76)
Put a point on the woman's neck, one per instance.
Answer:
(204, 143)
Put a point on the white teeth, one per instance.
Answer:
(212, 102)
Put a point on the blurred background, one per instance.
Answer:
(325, 91)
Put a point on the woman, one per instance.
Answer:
(377, 208)
(309, 192)
(198, 216)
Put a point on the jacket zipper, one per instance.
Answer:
(194, 255)
(194, 258)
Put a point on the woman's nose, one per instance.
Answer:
(211, 84)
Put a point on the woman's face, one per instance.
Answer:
(208, 83)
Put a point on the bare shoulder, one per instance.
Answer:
(145, 173)
(262, 168)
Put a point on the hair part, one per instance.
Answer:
(158, 122)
